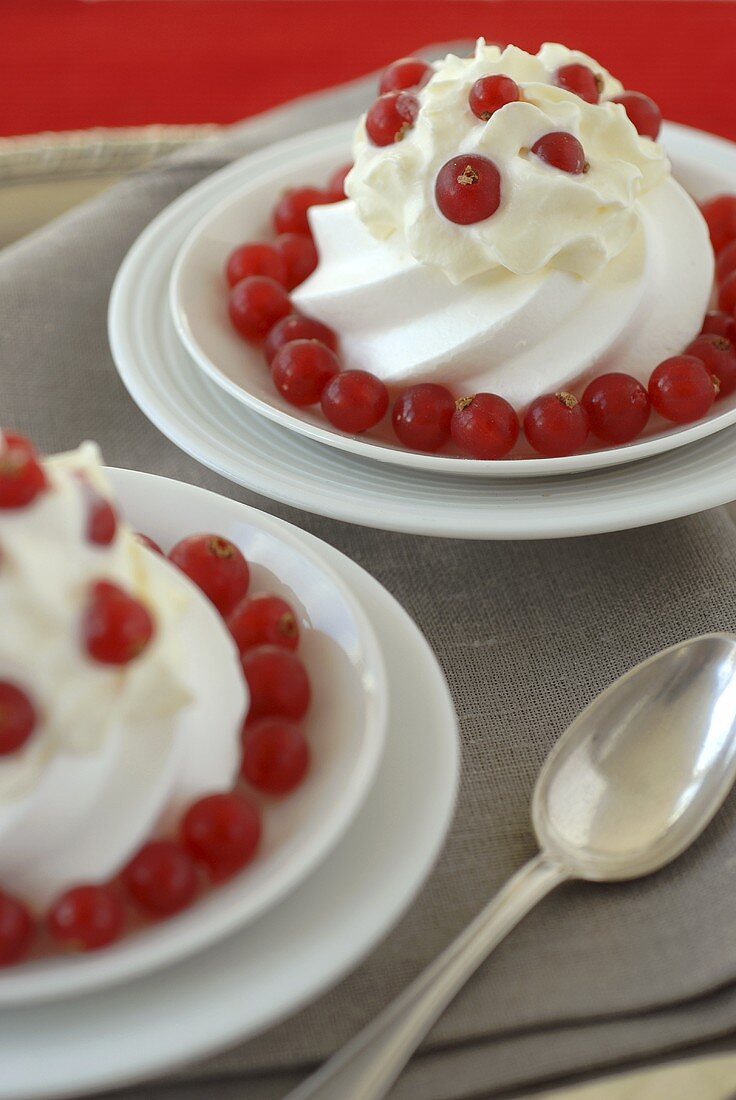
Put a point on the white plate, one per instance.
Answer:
(328, 924)
(198, 302)
(345, 727)
(253, 451)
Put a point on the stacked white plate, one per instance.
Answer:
(292, 923)
(209, 392)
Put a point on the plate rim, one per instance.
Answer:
(298, 148)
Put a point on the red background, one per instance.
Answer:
(68, 64)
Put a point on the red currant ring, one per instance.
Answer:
(614, 408)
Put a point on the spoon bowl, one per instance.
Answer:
(643, 769)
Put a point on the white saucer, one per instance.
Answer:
(198, 302)
(253, 451)
(328, 924)
(345, 727)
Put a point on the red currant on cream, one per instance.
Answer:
(390, 117)
(296, 327)
(222, 831)
(116, 628)
(727, 294)
(354, 401)
(101, 523)
(643, 112)
(21, 474)
(216, 566)
(87, 918)
(617, 406)
(682, 389)
(255, 259)
(16, 930)
(468, 189)
(484, 426)
(277, 682)
(290, 212)
(490, 93)
(422, 415)
(720, 324)
(275, 756)
(720, 214)
(407, 72)
(149, 544)
(299, 255)
(17, 718)
(556, 424)
(580, 80)
(263, 620)
(336, 183)
(563, 151)
(161, 878)
(301, 369)
(719, 355)
(255, 305)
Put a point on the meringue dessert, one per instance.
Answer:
(111, 736)
(517, 250)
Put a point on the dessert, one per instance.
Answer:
(125, 755)
(510, 231)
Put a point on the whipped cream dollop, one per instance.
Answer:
(114, 756)
(547, 217)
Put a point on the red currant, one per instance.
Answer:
(468, 189)
(719, 356)
(275, 756)
(149, 543)
(87, 918)
(301, 369)
(422, 416)
(390, 117)
(727, 294)
(491, 93)
(682, 389)
(17, 718)
(336, 183)
(116, 628)
(407, 72)
(16, 930)
(277, 682)
(720, 214)
(720, 324)
(556, 424)
(216, 566)
(617, 406)
(354, 401)
(222, 831)
(643, 113)
(21, 474)
(581, 80)
(161, 878)
(263, 620)
(300, 256)
(102, 523)
(562, 151)
(290, 212)
(726, 262)
(256, 304)
(296, 327)
(255, 259)
(484, 426)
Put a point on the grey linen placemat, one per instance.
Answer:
(598, 976)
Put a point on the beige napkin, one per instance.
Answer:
(598, 976)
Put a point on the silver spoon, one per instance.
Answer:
(627, 788)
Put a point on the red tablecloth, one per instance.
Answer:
(68, 64)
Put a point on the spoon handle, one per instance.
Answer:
(370, 1062)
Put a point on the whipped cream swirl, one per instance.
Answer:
(546, 218)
